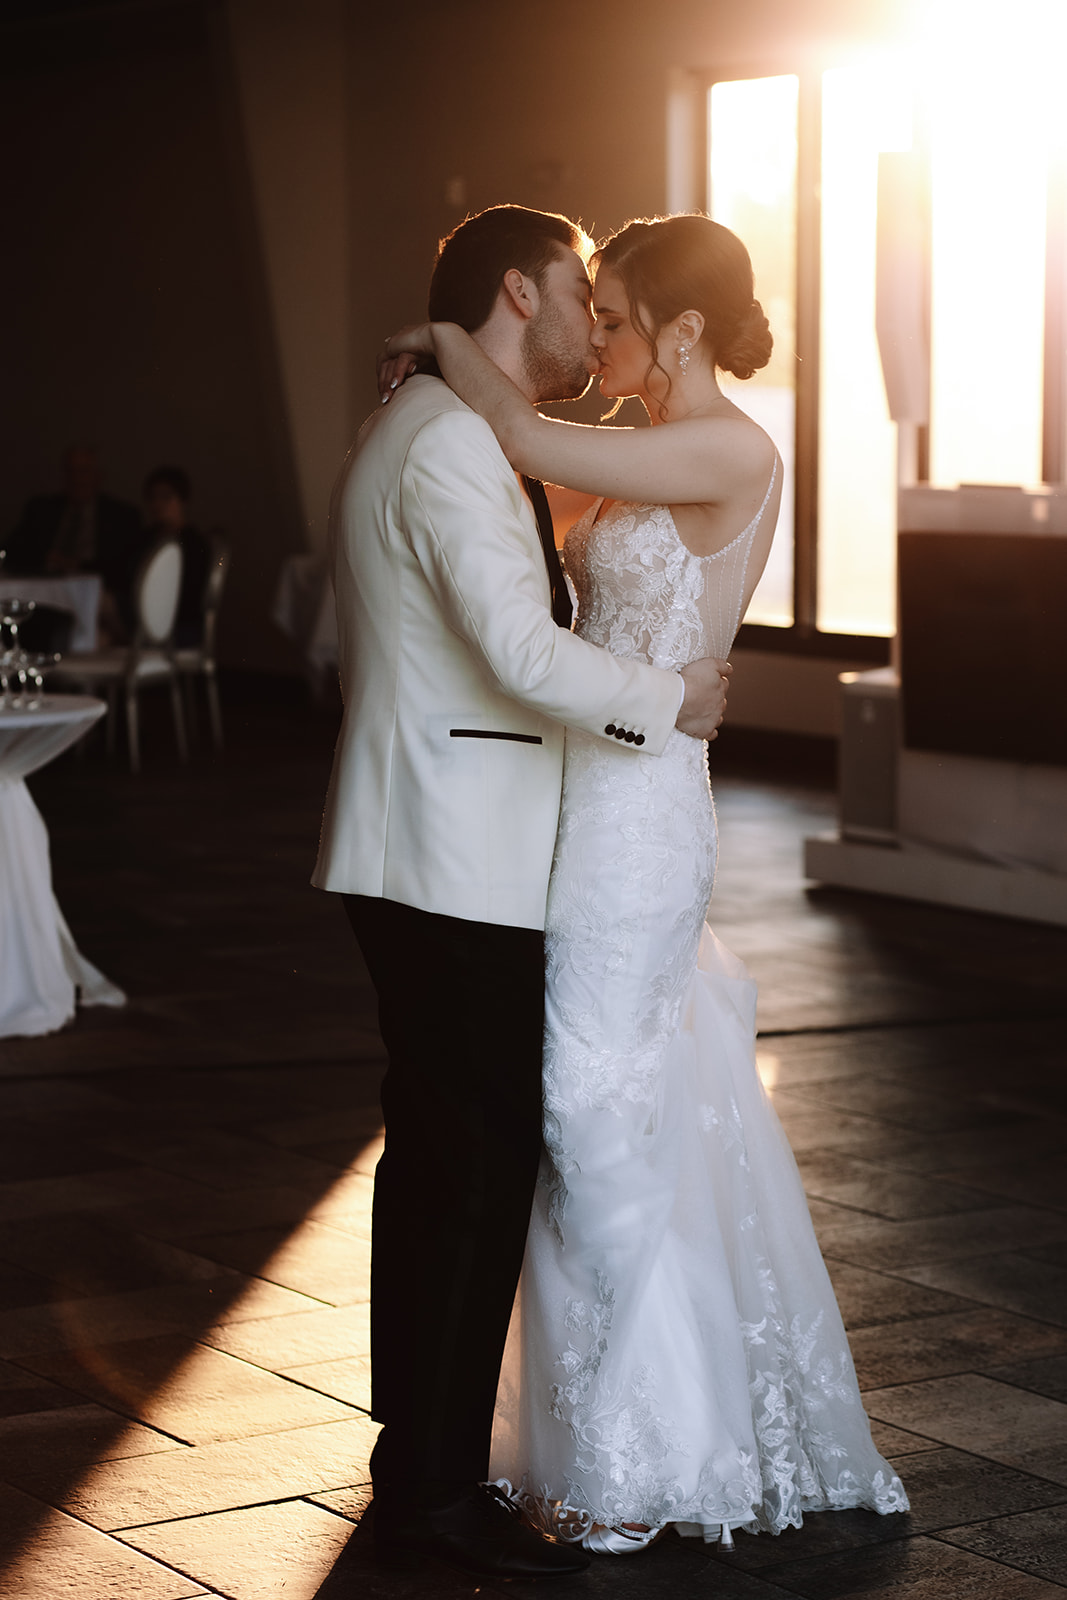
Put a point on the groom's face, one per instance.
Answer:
(556, 352)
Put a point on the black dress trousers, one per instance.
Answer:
(461, 1013)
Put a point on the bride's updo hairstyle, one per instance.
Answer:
(689, 263)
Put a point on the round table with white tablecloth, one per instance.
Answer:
(42, 973)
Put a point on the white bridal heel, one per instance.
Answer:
(618, 1541)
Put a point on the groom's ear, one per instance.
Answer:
(520, 293)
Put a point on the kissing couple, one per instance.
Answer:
(598, 1308)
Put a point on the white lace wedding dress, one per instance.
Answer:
(676, 1353)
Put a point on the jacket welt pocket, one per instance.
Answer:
(492, 733)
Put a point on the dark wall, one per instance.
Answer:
(952, 587)
(133, 287)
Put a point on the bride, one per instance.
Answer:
(676, 1355)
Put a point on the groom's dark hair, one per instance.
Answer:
(472, 261)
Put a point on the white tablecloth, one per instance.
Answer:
(80, 594)
(42, 973)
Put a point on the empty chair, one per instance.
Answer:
(198, 659)
(149, 658)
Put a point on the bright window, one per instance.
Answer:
(753, 180)
(865, 110)
(989, 171)
(793, 165)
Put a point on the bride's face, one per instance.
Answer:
(623, 354)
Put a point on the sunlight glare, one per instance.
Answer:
(767, 1066)
(199, 1404)
(995, 110)
(753, 181)
(867, 110)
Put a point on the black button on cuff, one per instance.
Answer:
(620, 733)
(639, 738)
(610, 729)
(629, 736)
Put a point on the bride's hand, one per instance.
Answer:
(398, 357)
(704, 704)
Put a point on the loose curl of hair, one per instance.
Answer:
(689, 263)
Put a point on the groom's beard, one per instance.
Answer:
(554, 367)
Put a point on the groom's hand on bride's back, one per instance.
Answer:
(704, 706)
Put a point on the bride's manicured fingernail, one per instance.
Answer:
(393, 384)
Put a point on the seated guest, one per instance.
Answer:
(166, 495)
(80, 530)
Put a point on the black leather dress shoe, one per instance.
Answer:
(480, 1532)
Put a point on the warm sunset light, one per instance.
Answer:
(304, 1303)
(768, 1065)
(974, 93)
(977, 95)
(867, 111)
(753, 160)
(992, 83)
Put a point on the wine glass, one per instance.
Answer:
(13, 658)
(35, 669)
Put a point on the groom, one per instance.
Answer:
(459, 673)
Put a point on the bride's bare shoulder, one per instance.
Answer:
(738, 444)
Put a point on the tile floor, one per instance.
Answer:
(186, 1188)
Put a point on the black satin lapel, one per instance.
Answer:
(562, 610)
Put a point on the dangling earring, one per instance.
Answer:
(683, 358)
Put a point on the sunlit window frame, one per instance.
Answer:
(804, 637)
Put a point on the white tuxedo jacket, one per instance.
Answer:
(457, 683)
